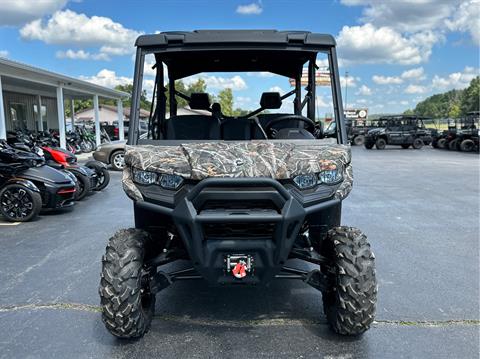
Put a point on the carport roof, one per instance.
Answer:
(20, 72)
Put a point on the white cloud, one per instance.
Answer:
(250, 9)
(219, 83)
(350, 81)
(69, 27)
(244, 102)
(277, 89)
(407, 15)
(411, 16)
(81, 55)
(362, 101)
(466, 18)
(107, 78)
(149, 63)
(364, 90)
(387, 80)
(4, 53)
(369, 44)
(19, 12)
(404, 102)
(260, 74)
(411, 89)
(455, 80)
(321, 102)
(413, 74)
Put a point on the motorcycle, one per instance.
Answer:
(27, 185)
(93, 176)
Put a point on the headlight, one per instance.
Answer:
(305, 181)
(167, 181)
(144, 177)
(170, 181)
(331, 174)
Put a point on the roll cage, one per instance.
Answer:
(232, 50)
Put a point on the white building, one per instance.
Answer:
(33, 99)
(108, 115)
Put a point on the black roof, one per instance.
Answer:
(238, 37)
(280, 52)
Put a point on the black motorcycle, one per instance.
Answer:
(26, 181)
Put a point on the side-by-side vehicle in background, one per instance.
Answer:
(402, 130)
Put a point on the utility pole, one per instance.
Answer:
(346, 90)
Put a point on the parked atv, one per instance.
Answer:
(28, 185)
(467, 135)
(402, 130)
(238, 197)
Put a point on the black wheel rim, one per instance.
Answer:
(100, 178)
(17, 203)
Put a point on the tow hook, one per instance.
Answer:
(239, 271)
(239, 265)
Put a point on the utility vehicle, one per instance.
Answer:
(462, 134)
(402, 130)
(237, 197)
(467, 136)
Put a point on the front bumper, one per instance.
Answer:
(256, 218)
(101, 156)
(56, 196)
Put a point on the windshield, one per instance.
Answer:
(294, 104)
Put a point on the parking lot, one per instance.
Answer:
(419, 209)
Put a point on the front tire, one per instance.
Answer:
(417, 143)
(467, 145)
(359, 140)
(442, 143)
(19, 203)
(380, 144)
(453, 145)
(350, 299)
(127, 304)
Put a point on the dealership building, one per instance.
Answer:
(33, 99)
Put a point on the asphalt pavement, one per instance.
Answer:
(420, 210)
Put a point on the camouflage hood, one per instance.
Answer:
(277, 160)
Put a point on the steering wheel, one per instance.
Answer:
(310, 124)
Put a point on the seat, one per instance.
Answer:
(237, 129)
(192, 127)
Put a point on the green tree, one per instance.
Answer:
(225, 99)
(471, 96)
(454, 111)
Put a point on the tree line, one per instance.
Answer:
(224, 98)
(450, 104)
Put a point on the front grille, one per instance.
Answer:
(250, 230)
(240, 205)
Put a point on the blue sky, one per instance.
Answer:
(396, 52)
